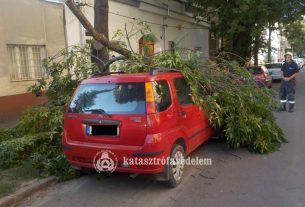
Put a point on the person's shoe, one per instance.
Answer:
(283, 107)
(291, 106)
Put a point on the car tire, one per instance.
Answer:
(221, 135)
(86, 171)
(176, 168)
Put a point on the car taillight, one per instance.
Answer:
(150, 99)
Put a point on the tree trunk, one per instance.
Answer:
(256, 49)
(101, 10)
(241, 45)
(269, 42)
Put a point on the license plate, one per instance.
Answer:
(102, 130)
(88, 130)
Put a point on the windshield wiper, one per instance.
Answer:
(98, 111)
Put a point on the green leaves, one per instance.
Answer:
(37, 139)
(241, 24)
(295, 33)
(232, 99)
(66, 70)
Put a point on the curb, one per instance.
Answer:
(26, 192)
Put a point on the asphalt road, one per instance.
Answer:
(235, 179)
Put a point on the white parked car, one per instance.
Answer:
(275, 70)
(300, 62)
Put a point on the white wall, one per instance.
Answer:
(187, 38)
(32, 22)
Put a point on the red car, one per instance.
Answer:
(261, 75)
(135, 116)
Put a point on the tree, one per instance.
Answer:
(101, 10)
(284, 13)
(295, 33)
(98, 36)
(242, 22)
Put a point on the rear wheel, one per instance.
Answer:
(86, 171)
(176, 166)
(221, 134)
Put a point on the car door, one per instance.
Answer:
(190, 115)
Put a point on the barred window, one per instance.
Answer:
(26, 62)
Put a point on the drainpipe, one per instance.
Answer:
(164, 27)
(81, 36)
(65, 25)
(65, 30)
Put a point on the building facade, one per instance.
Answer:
(30, 30)
(170, 22)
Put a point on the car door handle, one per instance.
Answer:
(183, 113)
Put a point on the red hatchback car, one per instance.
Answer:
(135, 116)
(261, 75)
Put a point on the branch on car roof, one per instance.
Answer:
(114, 59)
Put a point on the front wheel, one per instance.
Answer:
(176, 166)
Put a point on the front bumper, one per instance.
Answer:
(276, 77)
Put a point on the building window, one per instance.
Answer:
(26, 62)
(147, 45)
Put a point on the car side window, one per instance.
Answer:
(162, 95)
(183, 91)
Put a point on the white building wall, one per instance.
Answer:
(190, 35)
(28, 22)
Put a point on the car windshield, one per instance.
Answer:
(255, 70)
(273, 65)
(109, 98)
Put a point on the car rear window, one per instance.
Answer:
(255, 70)
(110, 98)
(274, 65)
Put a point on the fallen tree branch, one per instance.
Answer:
(112, 60)
(96, 35)
(128, 40)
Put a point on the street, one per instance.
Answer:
(236, 178)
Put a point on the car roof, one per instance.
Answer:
(254, 66)
(131, 77)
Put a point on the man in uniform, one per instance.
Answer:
(289, 70)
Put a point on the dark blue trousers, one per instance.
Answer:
(287, 91)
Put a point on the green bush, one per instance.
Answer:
(37, 139)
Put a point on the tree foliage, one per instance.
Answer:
(241, 23)
(295, 33)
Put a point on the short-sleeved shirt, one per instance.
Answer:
(290, 69)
